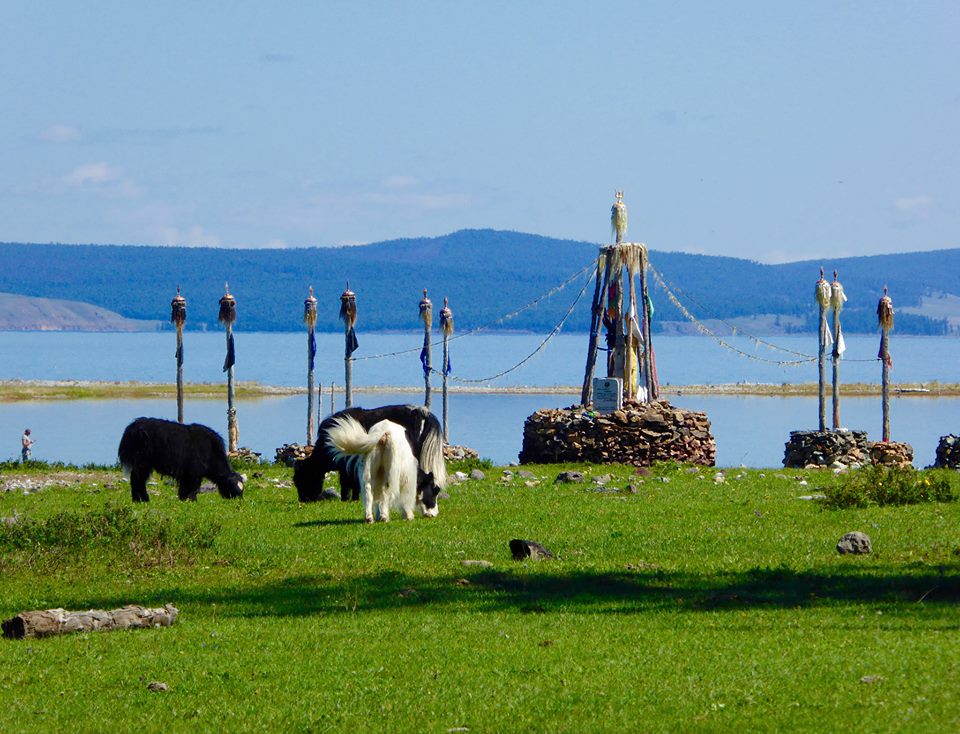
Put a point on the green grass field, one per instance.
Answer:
(686, 606)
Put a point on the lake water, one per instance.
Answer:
(749, 430)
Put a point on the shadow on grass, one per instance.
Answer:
(544, 590)
(334, 521)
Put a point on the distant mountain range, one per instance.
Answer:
(485, 273)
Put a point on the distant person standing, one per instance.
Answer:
(25, 443)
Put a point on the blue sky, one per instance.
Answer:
(766, 130)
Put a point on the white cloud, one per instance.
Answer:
(914, 207)
(399, 182)
(100, 177)
(60, 134)
(192, 236)
(92, 174)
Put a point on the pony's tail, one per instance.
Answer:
(349, 438)
(431, 451)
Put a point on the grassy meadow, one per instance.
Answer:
(680, 604)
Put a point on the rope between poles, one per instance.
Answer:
(536, 301)
(553, 333)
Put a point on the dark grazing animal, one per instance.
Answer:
(188, 453)
(424, 435)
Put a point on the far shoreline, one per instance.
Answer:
(26, 390)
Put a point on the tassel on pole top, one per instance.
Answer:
(618, 218)
(228, 306)
(822, 291)
(446, 319)
(426, 309)
(837, 296)
(885, 311)
(178, 309)
(310, 310)
(348, 307)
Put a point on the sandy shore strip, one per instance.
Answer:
(95, 390)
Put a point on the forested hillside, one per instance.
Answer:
(485, 274)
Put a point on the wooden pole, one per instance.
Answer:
(822, 296)
(837, 297)
(426, 315)
(885, 317)
(228, 314)
(310, 319)
(446, 327)
(180, 373)
(649, 382)
(596, 318)
(348, 313)
(178, 315)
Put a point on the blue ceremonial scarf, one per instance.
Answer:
(313, 349)
(352, 342)
(231, 358)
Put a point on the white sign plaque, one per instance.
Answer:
(607, 394)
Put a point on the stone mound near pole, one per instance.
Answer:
(639, 434)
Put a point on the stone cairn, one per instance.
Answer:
(459, 453)
(244, 454)
(639, 434)
(813, 449)
(891, 453)
(948, 453)
(291, 452)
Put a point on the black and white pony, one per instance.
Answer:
(387, 471)
(423, 433)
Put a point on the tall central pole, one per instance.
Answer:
(228, 314)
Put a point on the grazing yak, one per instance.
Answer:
(424, 435)
(387, 472)
(188, 453)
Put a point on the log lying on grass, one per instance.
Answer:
(47, 622)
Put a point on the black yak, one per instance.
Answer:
(188, 453)
(424, 435)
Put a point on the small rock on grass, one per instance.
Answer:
(157, 686)
(569, 477)
(477, 474)
(329, 494)
(855, 543)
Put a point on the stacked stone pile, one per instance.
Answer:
(892, 453)
(291, 452)
(639, 434)
(459, 453)
(244, 454)
(948, 453)
(825, 448)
